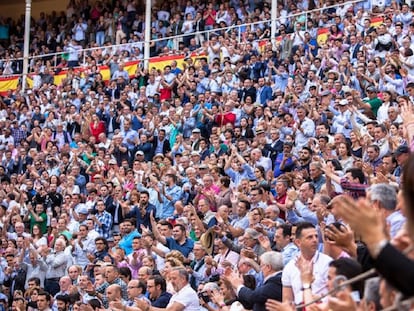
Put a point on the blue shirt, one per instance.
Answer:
(288, 252)
(126, 241)
(289, 165)
(186, 248)
(236, 177)
(175, 192)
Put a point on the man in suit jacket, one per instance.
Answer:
(271, 265)
(111, 123)
(274, 147)
(264, 93)
(247, 90)
(160, 144)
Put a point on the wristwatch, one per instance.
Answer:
(306, 286)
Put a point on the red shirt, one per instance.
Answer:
(225, 118)
(282, 200)
(97, 129)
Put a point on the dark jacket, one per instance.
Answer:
(165, 148)
(397, 269)
(162, 301)
(142, 220)
(256, 299)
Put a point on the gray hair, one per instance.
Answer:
(316, 165)
(252, 233)
(182, 272)
(371, 292)
(274, 259)
(385, 194)
(211, 286)
(274, 208)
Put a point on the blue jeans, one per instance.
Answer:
(100, 38)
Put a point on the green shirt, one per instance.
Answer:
(375, 103)
(41, 224)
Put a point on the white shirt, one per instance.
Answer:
(186, 297)
(291, 276)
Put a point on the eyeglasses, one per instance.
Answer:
(99, 243)
(131, 287)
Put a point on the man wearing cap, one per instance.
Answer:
(195, 139)
(342, 119)
(373, 102)
(401, 155)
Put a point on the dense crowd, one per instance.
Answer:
(255, 177)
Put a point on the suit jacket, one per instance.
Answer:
(16, 281)
(112, 209)
(397, 269)
(165, 148)
(251, 91)
(72, 128)
(355, 50)
(272, 150)
(256, 299)
(265, 95)
(115, 125)
(115, 93)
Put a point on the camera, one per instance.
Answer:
(204, 296)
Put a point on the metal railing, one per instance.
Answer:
(84, 52)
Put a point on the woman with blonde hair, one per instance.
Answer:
(170, 263)
(356, 147)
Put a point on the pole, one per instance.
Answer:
(26, 44)
(273, 22)
(147, 33)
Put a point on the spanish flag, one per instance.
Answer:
(322, 37)
(376, 21)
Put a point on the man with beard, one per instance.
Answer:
(142, 212)
(62, 302)
(185, 298)
(157, 289)
(305, 157)
(53, 198)
(129, 233)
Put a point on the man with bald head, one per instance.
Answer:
(64, 284)
(114, 294)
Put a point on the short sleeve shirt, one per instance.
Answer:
(291, 276)
(186, 248)
(186, 297)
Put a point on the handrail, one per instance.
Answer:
(228, 28)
